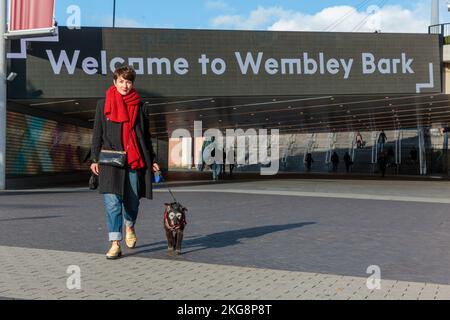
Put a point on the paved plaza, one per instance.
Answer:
(267, 239)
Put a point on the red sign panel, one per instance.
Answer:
(31, 14)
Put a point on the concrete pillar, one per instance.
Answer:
(434, 12)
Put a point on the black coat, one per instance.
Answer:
(108, 135)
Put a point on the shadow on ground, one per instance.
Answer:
(221, 239)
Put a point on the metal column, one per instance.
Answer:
(2, 94)
(422, 152)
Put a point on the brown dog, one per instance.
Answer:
(174, 222)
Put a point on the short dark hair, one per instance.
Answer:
(127, 72)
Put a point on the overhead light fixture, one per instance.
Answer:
(11, 76)
(51, 102)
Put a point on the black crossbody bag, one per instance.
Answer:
(113, 157)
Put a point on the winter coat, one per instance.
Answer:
(108, 135)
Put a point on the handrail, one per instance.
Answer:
(442, 29)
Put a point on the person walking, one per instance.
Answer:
(122, 125)
(335, 161)
(381, 140)
(309, 160)
(209, 153)
(359, 140)
(216, 167)
(382, 163)
(348, 162)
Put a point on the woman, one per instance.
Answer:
(121, 124)
(359, 141)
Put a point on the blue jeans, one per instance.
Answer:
(129, 202)
(216, 170)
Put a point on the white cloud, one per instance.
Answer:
(128, 23)
(390, 18)
(216, 5)
(107, 21)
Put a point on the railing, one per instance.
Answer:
(442, 29)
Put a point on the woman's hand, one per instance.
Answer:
(155, 167)
(94, 168)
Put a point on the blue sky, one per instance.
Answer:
(392, 15)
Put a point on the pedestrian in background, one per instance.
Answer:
(335, 161)
(309, 160)
(348, 162)
(382, 163)
(359, 140)
(381, 140)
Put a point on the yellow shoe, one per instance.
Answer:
(114, 252)
(130, 238)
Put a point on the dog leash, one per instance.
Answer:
(158, 173)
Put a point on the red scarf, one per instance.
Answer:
(124, 109)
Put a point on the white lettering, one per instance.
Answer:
(90, 65)
(321, 63)
(204, 61)
(249, 61)
(181, 66)
(222, 66)
(307, 62)
(103, 58)
(159, 62)
(139, 62)
(395, 62)
(333, 66)
(63, 59)
(114, 61)
(368, 62)
(271, 66)
(406, 65)
(290, 63)
(347, 67)
(384, 66)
